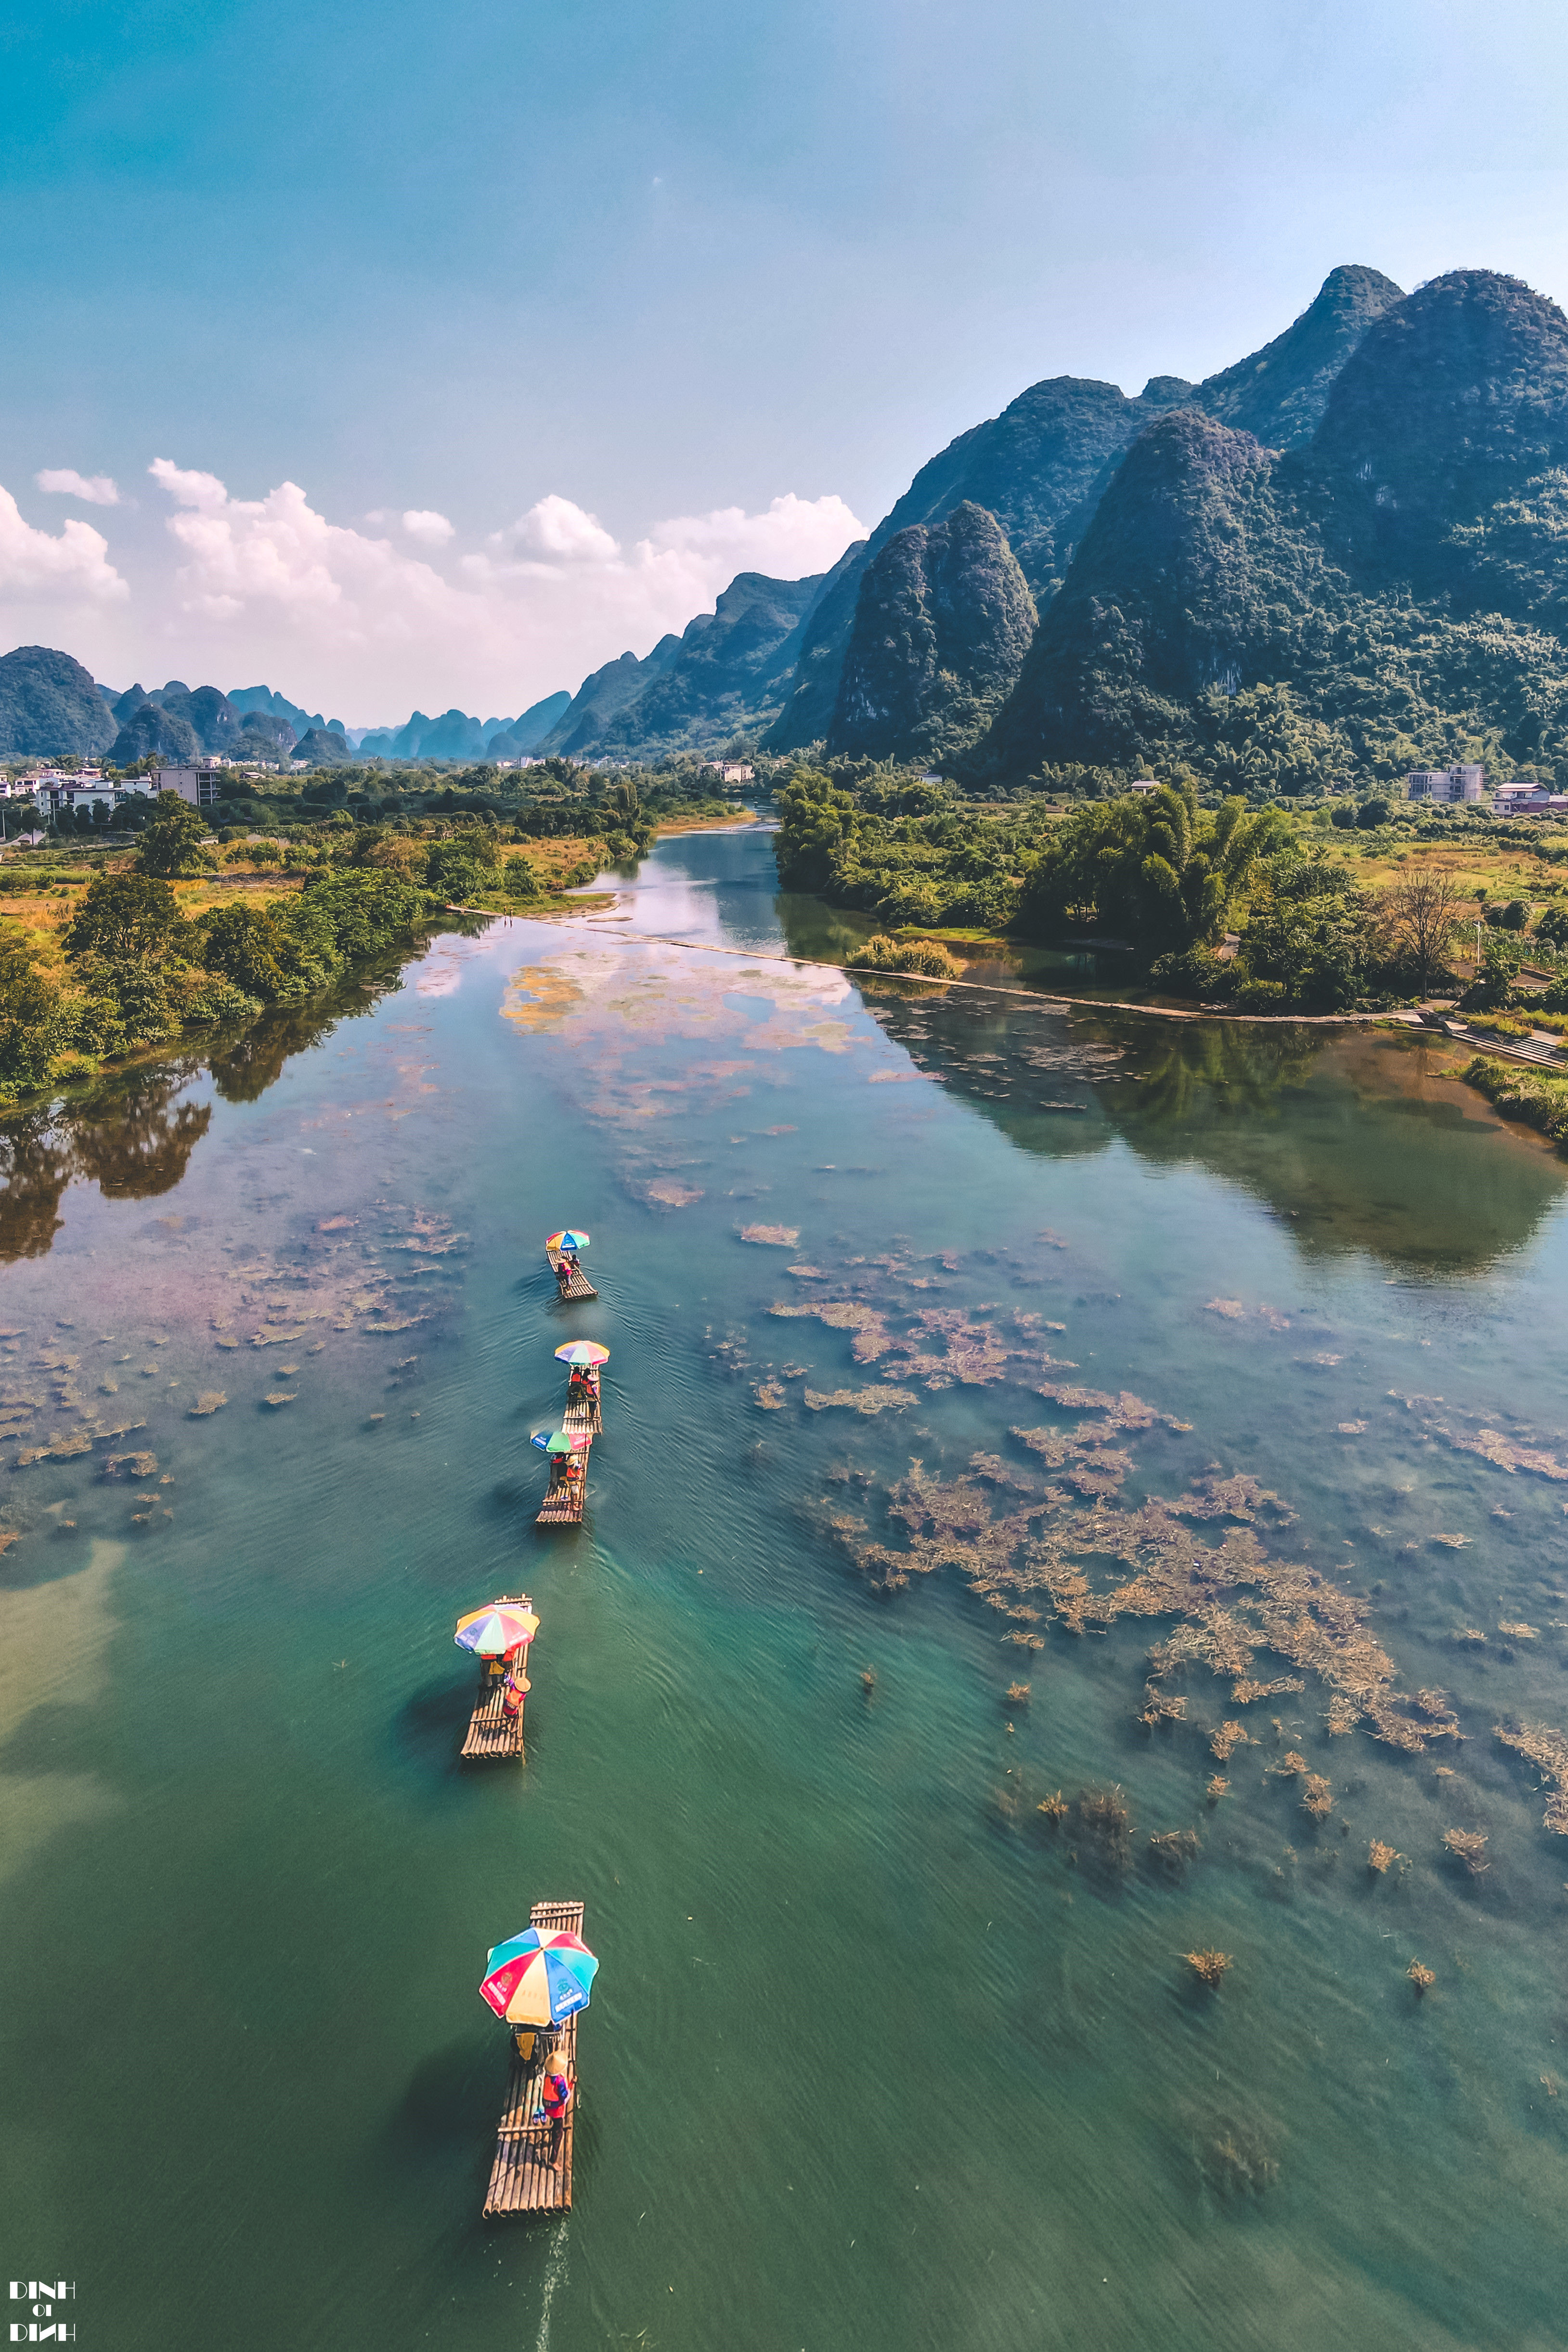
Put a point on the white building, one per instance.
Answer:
(1466, 783)
(1145, 784)
(1525, 798)
(199, 785)
(54, 793)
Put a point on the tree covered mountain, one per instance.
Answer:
(1042, 467)
(50, 708)
(1393, 593)
(729, 673)
(943, 623)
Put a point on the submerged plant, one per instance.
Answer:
(1055, 1808)
(1174, 1850)
(1209, 1968)
(1317, 1796)
(1420, 1976)
(1548, 1751)
(1017, 1694)
(1216, 1788)
(1227, 1739)
(1381, 1857)
(1102, 1819)
(1470, 1845)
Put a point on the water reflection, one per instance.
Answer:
(134, 1140)
(1362, 1139)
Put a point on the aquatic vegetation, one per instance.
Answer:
(1382, 1858)
(671, 1193)
(1470, 1847)
(1234, 2158)
(1209, 1967)
(1161, 1706)
(1055, 1808)
(865, 1401)
(1017, 1694)
(772, 1236)
(1317, 1796)
(1289, 1765)
(770, 1396)
(868, 1678)
(1104, 1824)
(1508, 1454)
(209, 1401)
(1231, 1309)
(1548, 1751)
(281, 1396)
(1228, 1602)
(1421, 1977)
(926, 958)
(1518, 1632)
(140, 1466)
(1174, 1850)
(1216, 1787)
(1224, 1742)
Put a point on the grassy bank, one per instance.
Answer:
(1529, 1095)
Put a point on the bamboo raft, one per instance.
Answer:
(521, 2180)
(490, 1735)
(584, 1416)
(579, 1286)
(564, 1500)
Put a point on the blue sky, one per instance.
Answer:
(665, 265)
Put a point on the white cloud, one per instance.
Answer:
(559, 531)
(98, 489)
(34, 566)
(794, 537)
(374, 618)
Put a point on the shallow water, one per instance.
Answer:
(877, 2056)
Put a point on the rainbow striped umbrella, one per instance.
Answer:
(538, 1977)
(582, 1351)
(491, 1631)
(565, 1240)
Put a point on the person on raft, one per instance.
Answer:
(555, 2100)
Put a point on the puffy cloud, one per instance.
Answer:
(98, 489)
(559, 531)
(72, 569)
(794, 537)
(358, 617)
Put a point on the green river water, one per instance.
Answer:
(880, 2055)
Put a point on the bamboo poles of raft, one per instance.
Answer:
(587, 1414)
(567, 1493)
(522, 2179)
(492, 1738)
(578, 1285)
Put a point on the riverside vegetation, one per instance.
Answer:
(1171, 880)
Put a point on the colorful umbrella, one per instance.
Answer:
(562, 1441)
(538, 1977)
(582, 1351)
(566, 1241)
(491, 1631)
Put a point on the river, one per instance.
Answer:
(941, 1327)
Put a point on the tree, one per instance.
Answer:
(1426, 907)
(1154, 869)
(127, 917)
(171, 845)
